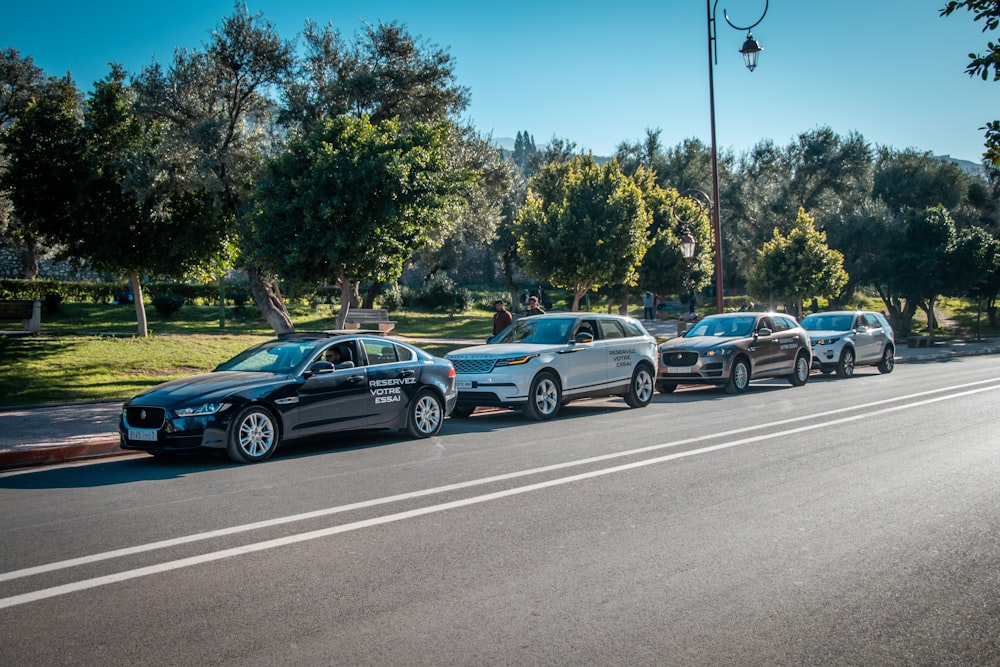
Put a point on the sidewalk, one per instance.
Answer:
(42, 435)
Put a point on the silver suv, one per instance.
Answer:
(844, 339)
(540, 362)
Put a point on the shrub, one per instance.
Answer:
(50, 304)
(167, 304)
(438, 292)
(391, 297)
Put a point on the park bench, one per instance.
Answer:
(27, 311)
(377, 316)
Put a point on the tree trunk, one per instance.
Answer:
(346, 297)
(142, 327)
(373, 291)
(29, 259)
(267, 296)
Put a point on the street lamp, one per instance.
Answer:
(687, 246)
(751, 50)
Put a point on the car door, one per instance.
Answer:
(622, 354)
(393, 376)
(869, 339)
(584, 365)
(765, 351)
(335, 400)
(788, 343)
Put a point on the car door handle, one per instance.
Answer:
(356, 378)
(407, 373)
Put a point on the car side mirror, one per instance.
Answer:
(584, 337)
(320, 367)
(763, 331)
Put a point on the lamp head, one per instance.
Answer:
(687, 246)
(751, 49)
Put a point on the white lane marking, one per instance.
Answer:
(305, 516)
(127, 575)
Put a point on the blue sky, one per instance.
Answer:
(600, 73)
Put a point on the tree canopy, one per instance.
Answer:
(350, 201)
(583, 226)
(797, 266)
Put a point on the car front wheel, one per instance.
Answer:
(739, 377)
(640, 390)
(543, 398)
(845, 367)
(800, 373)
(888, 360)
(426, 415)
(253, 435)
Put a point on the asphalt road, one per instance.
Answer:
(844, 522)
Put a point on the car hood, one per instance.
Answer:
(205, 386)
(827, 333)
(698, 343)
(504, 350)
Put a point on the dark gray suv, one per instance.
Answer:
(732, 349)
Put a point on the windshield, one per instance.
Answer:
(272, 357)
(538, 330)
(723, 327)
(828, 322)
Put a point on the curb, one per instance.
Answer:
(96, 446)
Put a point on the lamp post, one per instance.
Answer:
(751, 50)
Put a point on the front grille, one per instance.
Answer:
(140, 417)
(471, 366)
(679, 358)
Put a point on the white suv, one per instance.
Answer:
(538, 363)
(844, 339)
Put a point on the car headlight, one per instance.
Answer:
(719, 352)
(516, 361)
(202, 410)
(826, 341)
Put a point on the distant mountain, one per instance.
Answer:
(969, 167)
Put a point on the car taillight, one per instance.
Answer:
(451, 372)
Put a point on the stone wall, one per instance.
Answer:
(12, 266)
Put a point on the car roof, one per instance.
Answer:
(331, 333)
(841, 312)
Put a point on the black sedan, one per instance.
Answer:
(293, 387)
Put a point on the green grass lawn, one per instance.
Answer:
(90, 352)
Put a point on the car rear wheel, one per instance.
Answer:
(640, 390)
(739, 377)
(800, 373)
(666, 387)
(845, 367)
(888, 360)
(543, 398)
(426, 415)
(253, 435)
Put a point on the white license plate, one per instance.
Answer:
(143, 434)
(463, 384)
(678, 369)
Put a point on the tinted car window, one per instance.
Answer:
(384, 352)
(611, 329)
(872, 322)
(786, 323)
(631, 328)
